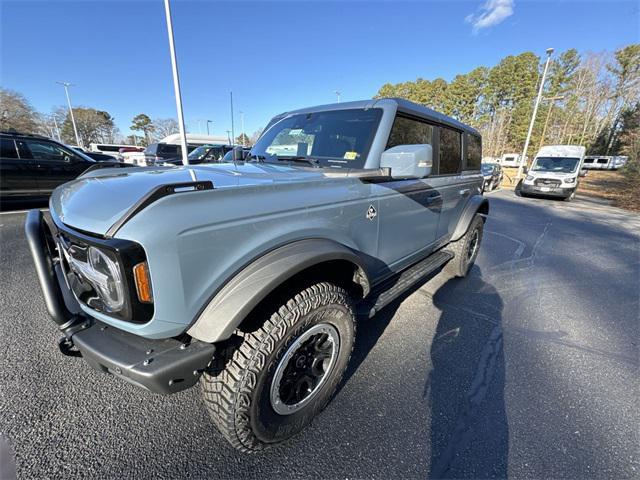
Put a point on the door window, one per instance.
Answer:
(8, 148)
(474, 152)
(45, 151)
(406, 131)
(450, 151)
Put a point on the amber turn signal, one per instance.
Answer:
(143, 283)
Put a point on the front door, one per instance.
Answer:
(54, 165)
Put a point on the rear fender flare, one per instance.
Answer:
(476, 204)
(240, 295)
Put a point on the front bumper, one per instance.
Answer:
(546, 191)
(161, 366)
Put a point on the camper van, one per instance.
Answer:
(510, 160)
(604, 162)
(554, 172)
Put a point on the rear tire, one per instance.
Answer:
(465, 250)
(283, 374)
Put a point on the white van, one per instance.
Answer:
(510, 160)
(108, 148)
(554, 172)
(195, 139)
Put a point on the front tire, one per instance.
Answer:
(283, 374)
(465, 250)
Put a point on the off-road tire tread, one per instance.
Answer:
(457, 265)
(232, 375)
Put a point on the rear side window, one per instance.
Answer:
(167, 149)
(8, 148)
(450, 151)
(603, 160)
(474, 152)
(406, 131)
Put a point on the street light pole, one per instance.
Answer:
(208, 122)
(233, 132)
(533, 115)
(242, 124)
(546, 122)
(176, 84)
(337, 92)
(66, 86)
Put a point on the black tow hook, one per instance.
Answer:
(68, 348)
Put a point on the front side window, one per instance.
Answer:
(555, 164)
(8, 147)
(474, 152)
(335, 139)
(450, 151)
(45, 151)
(406, 131)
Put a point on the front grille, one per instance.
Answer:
(547, 182)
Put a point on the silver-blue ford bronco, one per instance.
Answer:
(248, 277)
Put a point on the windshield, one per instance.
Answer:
(200, 152)
(487, 168)
(555, 164)
(337, 139)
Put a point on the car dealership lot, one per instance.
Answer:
(527, 368)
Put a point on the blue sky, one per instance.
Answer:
(276, 56)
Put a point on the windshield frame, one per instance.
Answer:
(320, 161)
(541, 170)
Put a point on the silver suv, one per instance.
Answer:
(249, 277)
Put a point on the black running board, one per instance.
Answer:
(390, 289)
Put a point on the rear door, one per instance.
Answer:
(455, 186)
(408, 209)
(18, 176)
(54, 164)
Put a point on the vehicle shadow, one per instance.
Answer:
(464, 387)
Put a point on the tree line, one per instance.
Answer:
(93, 125)
(590, 99)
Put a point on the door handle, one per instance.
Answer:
(464, 192)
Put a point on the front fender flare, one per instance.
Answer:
(476, 204)
(233, 302)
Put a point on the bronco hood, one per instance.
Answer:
(95, 202)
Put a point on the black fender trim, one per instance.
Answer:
(231, 304)
(476, 203)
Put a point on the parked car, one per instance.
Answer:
(203, 154)
(132, 155)
(157, 153)
(247, 277)
(98, 157)
(32, 166)
(555, 171)
(492, 174)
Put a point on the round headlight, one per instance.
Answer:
(529, 177)
(107, 279)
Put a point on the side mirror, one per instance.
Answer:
(408, 161)
(583, 173)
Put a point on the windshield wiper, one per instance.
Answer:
(299, 158)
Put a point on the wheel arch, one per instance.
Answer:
(296, 263)
(477, 204)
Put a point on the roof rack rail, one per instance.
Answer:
(13, 131)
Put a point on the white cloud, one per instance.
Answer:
(491, 13)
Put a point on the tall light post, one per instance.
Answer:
(533, 115)
(338, 93)
(233, 131)
(208, 122)
(242, 125)
(176, 84)
(546, 122)
(66, 86)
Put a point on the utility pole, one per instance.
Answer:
(546, 122)
(533, 115)
(233, 132)
(208, 122)
(55, 122)
(242, 125)
(176, 85)
(337, 92)
(66, 86)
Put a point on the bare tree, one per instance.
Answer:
(163, 127)
(17, 113)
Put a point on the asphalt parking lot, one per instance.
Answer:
(528, 368)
